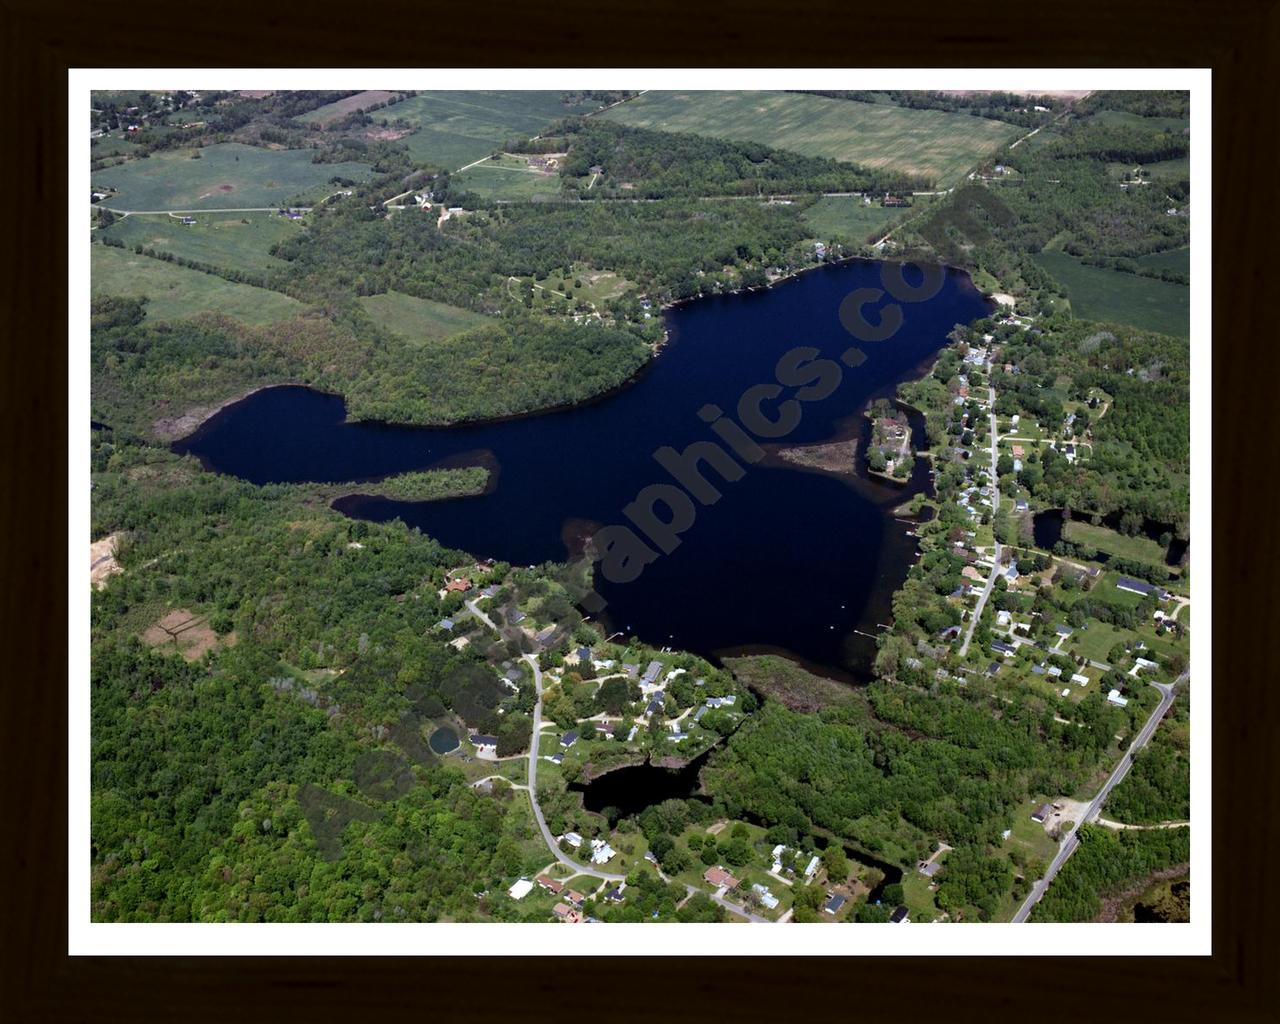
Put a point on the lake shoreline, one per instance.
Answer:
(183, 427)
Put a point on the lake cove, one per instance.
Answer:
(777, 557)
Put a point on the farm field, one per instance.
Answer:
(455, 128)
(341, 108)
(239, 241)
(508, 183)
(1174, 259)
(1128, 119)
(1100, 294)
(227, 176)
(175, 291)
(846, 219)
(419, 320)
(937, 145)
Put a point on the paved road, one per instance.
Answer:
(1068, 845)
(547, 837)
(995, 504)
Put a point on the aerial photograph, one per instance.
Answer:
(638, 506)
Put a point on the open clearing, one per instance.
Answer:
(847, 219)
(331, 112)
(226, 176)
(931, 143)
(236, 241)
(508, 183)
(1100, 294)
(1139, 547)
(102, 560)
(419, 320)
(173, 291)
(454, 128)
(186, 633)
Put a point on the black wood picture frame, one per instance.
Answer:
(1238, 39)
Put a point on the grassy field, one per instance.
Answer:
(1173, 259)
(341, 108)
(846, 219)
(1099, 294)
(175, 291)
(508, 183)
(1128, 119)
(937, 145)
(419, 320)
(1142, 548)
(455, 128)
(227, 176)
(239, 241)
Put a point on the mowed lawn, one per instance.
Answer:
(173, 291)
(419, 320)
(455, 128)
(237, 241)
(848, 219)
(226, 176)
(939, 146)
(1100, 294)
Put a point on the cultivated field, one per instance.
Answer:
(239, 241)
(1099, 294)
(847, 219)
(173, 291)
(455, 128)
(931, 143)
(419, 320)
(226, 176)
(1174, 259)
(331, 112)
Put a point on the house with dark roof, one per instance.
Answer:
(584, 655)
(651, 673)
(1000, 647)
(654, 706)
(1141, 587)
(900, 916)
(483, 742)
(1042, 813)
(833, 905)
(569, 739)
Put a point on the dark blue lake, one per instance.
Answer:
(788, 559)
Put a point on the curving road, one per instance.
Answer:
(1068, 845)
(550, 840)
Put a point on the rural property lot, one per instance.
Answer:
(1100, 294)
(419, 320)
(235, 241)
(175, 291)
(499, 183)
(227, 176)
(937, 145)
(456, 128)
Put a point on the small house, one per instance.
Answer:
(549, 883)
(521, 889)
(720, 878)
(833, 905)
(900, 915)
(1042, 813)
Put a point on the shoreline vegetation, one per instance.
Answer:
(836, 457)
(424, 485)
